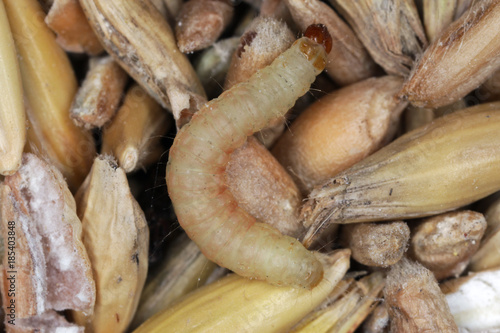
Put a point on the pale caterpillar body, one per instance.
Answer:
(205, 207)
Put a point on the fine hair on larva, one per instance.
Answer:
(205, 207)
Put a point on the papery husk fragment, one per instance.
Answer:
(390, 30)
(237, 304)
(462, 58)
(436, 168)
(147, 50)
(346, 313)
(116, 236)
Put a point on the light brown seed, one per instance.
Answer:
(445, 243)
(462, 58)
(201, 22)
(348, 62)
(376, 244)
(97, 99)
(414, 301)
(390, 30)
(74, 34)
(339, 130)
(263, 188)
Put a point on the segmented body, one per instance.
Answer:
(205, 207)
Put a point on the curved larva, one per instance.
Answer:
(206, 209)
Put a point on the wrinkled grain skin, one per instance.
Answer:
(436, 168)
(414, 301)
(445, 243)
(340, 130)
(376, 244)
(462, 58)
(204, 206)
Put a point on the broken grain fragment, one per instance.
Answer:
(445, 243)
(348, 62)
(134, 133)
(97, 99)
(147, 50)
(201, 22)
(74, 34)
(51, 262)
(116, 236)
(462, 58)
(390, 30)
(414, 301)
(376, 244)
(346, 313)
